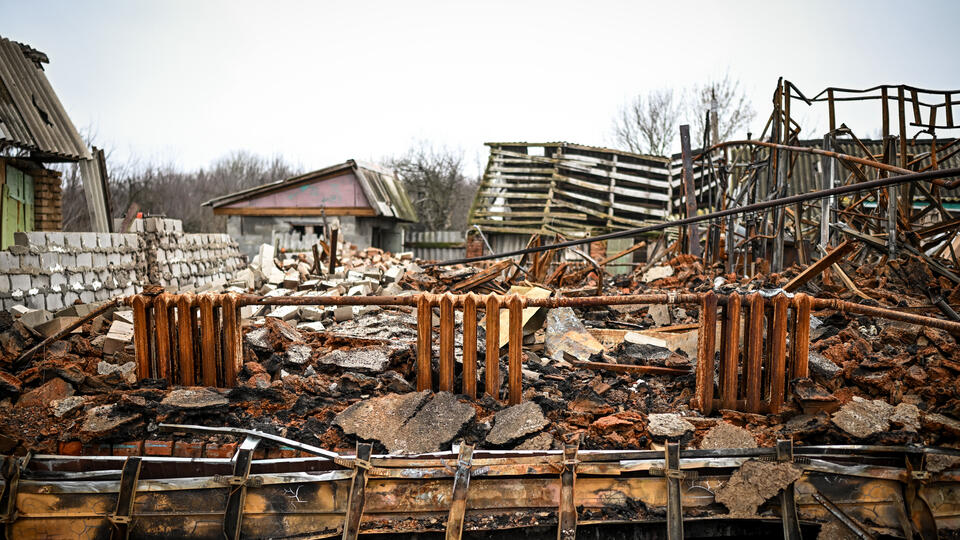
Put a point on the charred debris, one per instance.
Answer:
(779, 354)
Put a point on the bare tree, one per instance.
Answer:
(648, 124)
(734, 112)
(436, 181)
(164, 189)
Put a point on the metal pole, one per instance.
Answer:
(689, 190)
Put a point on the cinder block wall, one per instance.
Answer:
(51, 270)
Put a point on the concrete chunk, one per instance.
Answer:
(516, 422)
(669, 425)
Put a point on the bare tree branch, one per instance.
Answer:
(437, 184)
(648, 125)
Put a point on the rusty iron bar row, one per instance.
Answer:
(188, 339)
(192, 339)
(757, 384)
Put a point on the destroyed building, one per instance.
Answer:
(723, 386)
(34, 132)
(368, 201)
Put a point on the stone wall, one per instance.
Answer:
(51, 270)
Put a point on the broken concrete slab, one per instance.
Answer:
(657, 272)
(516, 422)
(379, 418)
(668, 425)
(65, 406)
(194, 399)
(343, 313)
(55, 388)
(540, 441)
(314, 326)
(102, 420)
(566, 337)
(298, 354)
(433, 427)
(660, 313)
(126, 373)
(753, 484)
(906, 416)
(862, 418)
(35, 317)
(366, 358)
(727, 435)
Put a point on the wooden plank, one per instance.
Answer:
(818, 267)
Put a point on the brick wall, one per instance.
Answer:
(598, 250)
(474, 245)
(51, 270)
(47, 198)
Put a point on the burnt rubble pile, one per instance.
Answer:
(332, 376)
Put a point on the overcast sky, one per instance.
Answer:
(318, 83)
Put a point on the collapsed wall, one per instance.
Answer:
(51, 270)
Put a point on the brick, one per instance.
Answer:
(84, 260)
(132, 448)
(214, 450)
(98, 449)
(188, 449)
(71, 448)
(158, 448)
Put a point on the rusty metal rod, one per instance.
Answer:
(69, 328)
(926, 176)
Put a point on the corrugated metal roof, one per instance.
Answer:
(383, 190)
(31, 115)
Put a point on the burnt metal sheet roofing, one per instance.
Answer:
(381, 186)
(31, 115)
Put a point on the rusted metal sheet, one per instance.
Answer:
(291, 498)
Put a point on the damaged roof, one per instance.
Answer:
(31, 115)
(381, 189)
(573, 189)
